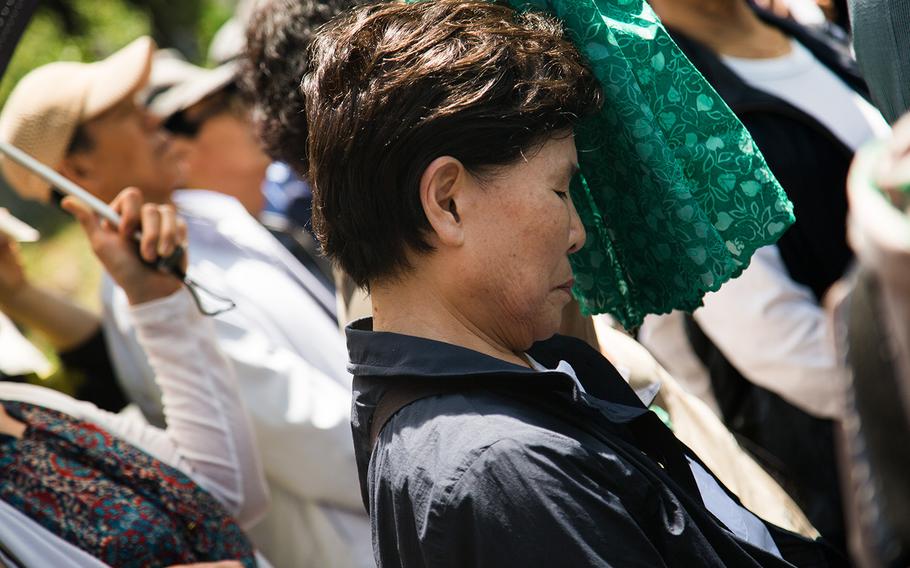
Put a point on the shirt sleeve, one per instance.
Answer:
(301, 414)
(524, 505)
(775, 333)
(208, 433)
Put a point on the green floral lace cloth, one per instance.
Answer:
(673, 192)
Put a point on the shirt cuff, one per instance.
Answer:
(178, 305)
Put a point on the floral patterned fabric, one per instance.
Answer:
(110, 499)
(673, 192)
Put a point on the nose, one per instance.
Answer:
(577, 234)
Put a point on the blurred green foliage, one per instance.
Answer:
(87, 30)
(109, 25)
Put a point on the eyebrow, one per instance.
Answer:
(569, 171)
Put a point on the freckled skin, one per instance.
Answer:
(499, 275)
(507, 277)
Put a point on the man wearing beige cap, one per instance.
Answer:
(83, 120)
(282, 337)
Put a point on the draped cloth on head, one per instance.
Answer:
(673, 192)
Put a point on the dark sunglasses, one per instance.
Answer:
(179, 125)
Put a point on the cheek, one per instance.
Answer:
(516, 279)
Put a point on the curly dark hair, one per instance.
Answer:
(278, 37)
(394, 86)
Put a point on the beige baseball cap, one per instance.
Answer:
(43, 111)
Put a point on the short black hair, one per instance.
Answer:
(278, 38)
(394, 86)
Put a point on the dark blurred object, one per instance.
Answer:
(96, 382)
(14, 16)
(876, 429)
(836, 10)
(881, 37)
(871, 314)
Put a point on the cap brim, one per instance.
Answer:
(118, 76)
(185, 95)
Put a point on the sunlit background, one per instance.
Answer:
(88, 30)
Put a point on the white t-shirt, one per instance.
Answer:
(806, 83)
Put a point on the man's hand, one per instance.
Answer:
(12, 274)
(162, 232)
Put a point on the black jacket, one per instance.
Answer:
(520, 468)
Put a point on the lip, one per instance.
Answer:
(567, 286)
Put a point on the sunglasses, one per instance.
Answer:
(181, 124)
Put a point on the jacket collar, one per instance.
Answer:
(378, 355)
(383, 354)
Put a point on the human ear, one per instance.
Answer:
(441, 188)
(78, 168)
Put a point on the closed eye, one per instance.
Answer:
(562, 194)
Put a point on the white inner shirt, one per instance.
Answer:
(807, 84)
(738, 520)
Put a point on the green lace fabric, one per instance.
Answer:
(673, 192)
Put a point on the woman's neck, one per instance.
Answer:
(412, 308)
(727, 27)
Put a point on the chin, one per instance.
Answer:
(546, 330)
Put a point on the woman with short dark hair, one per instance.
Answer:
(441, 153)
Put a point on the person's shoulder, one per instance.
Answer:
(205, 204)
(432, 442)
(221, 230)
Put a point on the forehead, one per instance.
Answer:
(126, 108)
(551, 164)
(557, 157)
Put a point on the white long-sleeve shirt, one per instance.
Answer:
(290, 360)
(208, 436)
(785, 346)
(769, 327)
